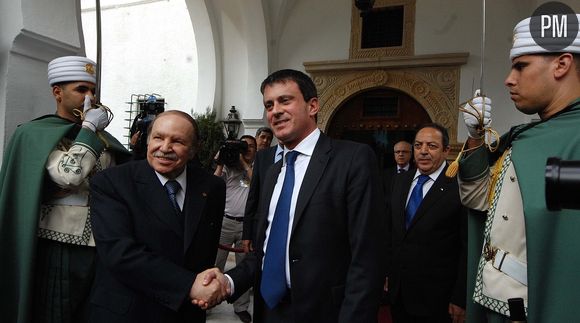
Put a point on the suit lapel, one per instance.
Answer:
(406, 181)
(270, 179)
(271, 153)
(314, 173)
(195, 199)
(149, 186)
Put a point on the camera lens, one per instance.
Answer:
(562, 183)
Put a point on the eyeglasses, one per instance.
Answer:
(402, 151)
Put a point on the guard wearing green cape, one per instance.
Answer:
(517, 248)
(46, 247)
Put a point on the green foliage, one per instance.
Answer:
(212, 136)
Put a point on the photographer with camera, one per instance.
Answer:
(237, 173)
(526, 252)
(148, 110)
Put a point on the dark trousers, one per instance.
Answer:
(64, 276)
(282, 313)
(401, 315)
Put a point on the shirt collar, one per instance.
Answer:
(406, 167)
(433, 175)
(279, 153)
(306, 146)
(181, 179)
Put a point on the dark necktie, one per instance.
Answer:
(273, 286)
(401, 170)
(415, 200)
(172, 187)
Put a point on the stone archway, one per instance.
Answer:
(432, 80)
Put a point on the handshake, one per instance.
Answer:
(209, 289)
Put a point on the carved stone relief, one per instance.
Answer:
(434, 87)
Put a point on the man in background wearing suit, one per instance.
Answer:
(156, 224)
(426, 265)
(402, 153)
(264, 159)
(317, 256)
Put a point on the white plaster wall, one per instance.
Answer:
(29, 40)
(206, 50)
(148, 47)
(244, 59)
(320, 30)
(314, 31)
(456, 26)
(10, 23)
(239, 43)
(257, 59)
(64, 28)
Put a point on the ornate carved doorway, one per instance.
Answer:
(378, 117)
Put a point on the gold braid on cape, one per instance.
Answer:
(494, 175)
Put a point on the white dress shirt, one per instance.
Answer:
(427, 185)
(279, 153)
(406, 168)
(305, 148)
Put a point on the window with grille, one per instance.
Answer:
(383, 27)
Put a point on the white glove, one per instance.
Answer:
(96, 119)
(479, 106)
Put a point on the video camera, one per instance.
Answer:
(230, 152)
(148, 109)
(562, 184)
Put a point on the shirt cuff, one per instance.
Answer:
(232, 288)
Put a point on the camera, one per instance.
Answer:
(148, 110)
(230, 152)
(562, 184)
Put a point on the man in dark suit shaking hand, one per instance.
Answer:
(427, 237)
(320, 219)
(157, 224)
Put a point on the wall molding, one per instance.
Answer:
(35, 46)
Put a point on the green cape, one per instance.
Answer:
(552, 238)
(21, 181)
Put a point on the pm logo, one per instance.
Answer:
(554, 26)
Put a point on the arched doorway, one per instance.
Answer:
(378, 117)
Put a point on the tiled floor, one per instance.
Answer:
(224, 313)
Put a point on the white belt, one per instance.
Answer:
(77, 199)
(510, 266)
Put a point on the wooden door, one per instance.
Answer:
(380, 118)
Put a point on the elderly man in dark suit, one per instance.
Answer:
(317, 256)
(157, 224)
(428, 233)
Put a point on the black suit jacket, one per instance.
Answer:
(148, 256)
(264, 159)
(388, 175)
(334, 250)
(427, 263)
